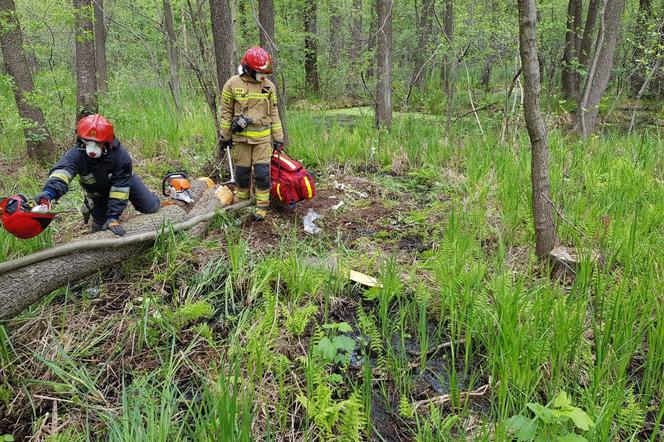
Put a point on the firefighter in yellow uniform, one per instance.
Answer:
(250, 122)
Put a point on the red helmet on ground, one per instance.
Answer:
(18, 220)
(96, 128)
(257, 59)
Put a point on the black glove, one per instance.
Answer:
(114, 226)
(43, 198)
(278, 146)
(240, 123)
(226, 144)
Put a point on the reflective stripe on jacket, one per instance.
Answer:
(108, 176)
(244, 96)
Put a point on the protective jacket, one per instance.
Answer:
(244, 96)
(109, 176)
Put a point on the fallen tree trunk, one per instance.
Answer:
(25, 280)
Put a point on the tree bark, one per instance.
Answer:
(545, 228)
(641, 45)
(424, 25)
(242, 27)
(384, 64)
(335, 34)
(311, 46)
(67, 263)
(587, 40)
(495, 49)
(100, 46)
(356, 32)
(372, 38)
(224, 43)
(448, 35)
(600, 72)
(485, 75)
(171, 49)
(38, 141)
(86, 69)
(269, 42)
(570, 76)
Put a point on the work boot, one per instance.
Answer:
(262, 204)
(96, 227)
(260, 215)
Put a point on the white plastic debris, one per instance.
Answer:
(308, 221)
(42, 208)
(338, 205)
(347, 188)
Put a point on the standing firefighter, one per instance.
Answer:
(105, 173)
(250, 120)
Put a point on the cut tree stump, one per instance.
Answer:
(567, 260)
(25, 280)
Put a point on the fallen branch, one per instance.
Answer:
(445, 398)
(438, 347)
(25, 280)
(474, 111)
(109, 243)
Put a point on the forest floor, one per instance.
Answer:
(258, 332)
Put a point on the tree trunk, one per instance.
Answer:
(448, 35)
(424, 25)
(68, 263)
(641, 45)
(100, 46)
(86, 69)
(242, 27)
(545, 228)
(171, 49)
(495, 49)
(570, 76)
(600, 70)
(268, 41)
(39, 144)
(485, 75)
(335, 34)
(356, 32)
(587, 40)
(384, 64)
(224, 43)
(371, 41)
(311, 46)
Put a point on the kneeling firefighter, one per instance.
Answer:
(250, 121)
(105, 172)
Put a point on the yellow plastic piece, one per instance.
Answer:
(225, 195)
(208, 182)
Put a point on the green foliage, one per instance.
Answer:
(193, 312)
(335, 347)
(631, 416)
(549, 421)
(298, 321)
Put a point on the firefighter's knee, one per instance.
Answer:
(155, 207)
(262, 175)
(243, 176)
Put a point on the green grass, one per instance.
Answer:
(223, 349)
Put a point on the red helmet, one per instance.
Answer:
(18, 220)
(257, 59)
(96, 128)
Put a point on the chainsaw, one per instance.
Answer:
(177, 186)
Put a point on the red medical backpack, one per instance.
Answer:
(291, 183)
